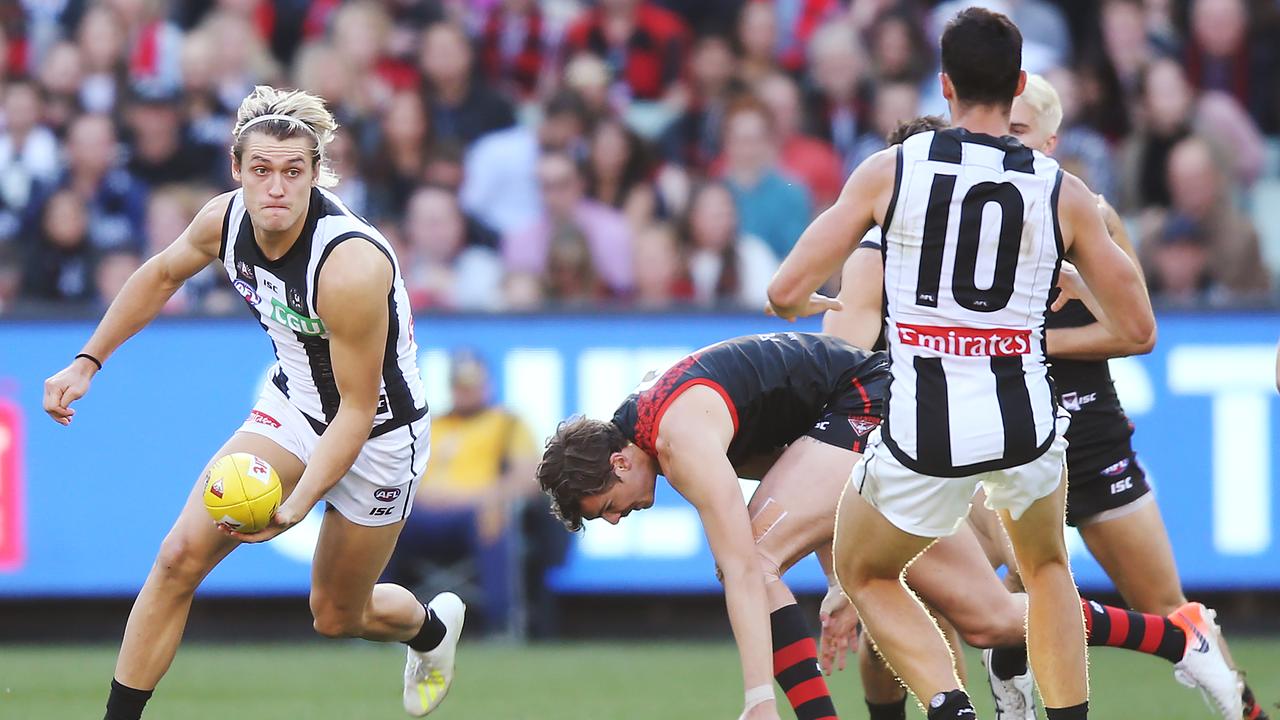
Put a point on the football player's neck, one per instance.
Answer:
(986, 119)
(274, 244)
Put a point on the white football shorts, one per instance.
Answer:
(379, 487)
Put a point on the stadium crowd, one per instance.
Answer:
(648, 154)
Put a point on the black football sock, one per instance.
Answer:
(126, 703)
(1075, 712)
(430, 635)
(795, 665)
(1157, 635)
(888, 711)
(1009, 662)
(951, 705)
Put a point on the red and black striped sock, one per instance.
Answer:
(1151, 634)
(795, 665)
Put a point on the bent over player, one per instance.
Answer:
(343, 419)
(975, 228)
(800, 406)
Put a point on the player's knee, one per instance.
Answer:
(179, 565)
(335, 623)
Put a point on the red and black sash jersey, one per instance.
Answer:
(776, 387)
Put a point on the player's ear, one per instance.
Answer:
(948, 90)
(1022, 83)
(235, 169)
(619, 462)
(1051, 144)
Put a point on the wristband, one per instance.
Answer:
(90, 358)
(758, 695)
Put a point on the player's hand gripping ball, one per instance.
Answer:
(242, 491)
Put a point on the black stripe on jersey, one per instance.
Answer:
(933, 240)
(1015, 406)
(317, 349)
(893, 199)
(1057, 268)
(945, 147)
(226, 228)
(933, 414)
(1018, 157)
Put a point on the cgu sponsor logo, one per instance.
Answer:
(967, 342)
(247, 292)
(294, 321)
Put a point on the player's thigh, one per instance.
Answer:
(1134, 551)
(195, 544)
(1037, 534)
(794, 509)
(955, 579)
(348, 559)
(868, 546)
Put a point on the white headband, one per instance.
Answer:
(267, 118)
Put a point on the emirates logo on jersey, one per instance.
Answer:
(967, 342)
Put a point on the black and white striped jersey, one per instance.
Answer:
(282, 295)
(972, 248)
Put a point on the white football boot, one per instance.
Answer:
(1203, 666)
(1014, 698)
(428, 675)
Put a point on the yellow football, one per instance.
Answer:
(242, 491)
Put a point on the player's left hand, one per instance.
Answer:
(285, 518)
(1072, 287)
(839, 630)
(817, 303)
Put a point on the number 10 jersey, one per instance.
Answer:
(971, 250)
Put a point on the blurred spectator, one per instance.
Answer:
(1200, 196)
(895, 103)
(757, 41)
(837, 109)
(900, 52)
(1222, 56)
(116, 200)
(396, 166)
(440, 269)
(1179, 265)
(770, 205)
(60, 261)
(1170, 111)
(588, 77)
(644, 45)
(240, 56)
(725, 265)
(661, 275)
(321, 69)
(693, 139)
(170, 209)
(28, 154)
(461, 108)
(59, 77)
(811, 160)
(499, 185)
(571, 228)
(517, 49)
(1110, 77)
(1082, 150)
(361, 34)
(797, 20)
(102, 41)
(618, 174)
(1046, 40)
(352, 187)
(571, 278)
(110, 273)
(162, 151)
(11, 271)
(444, 166)
(154, 43)
(208, 118)
(478, 480)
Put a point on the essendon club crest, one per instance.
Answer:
(863, 424)
(386, 494)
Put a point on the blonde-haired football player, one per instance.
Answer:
(344, 418)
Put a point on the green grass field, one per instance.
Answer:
(617, 681)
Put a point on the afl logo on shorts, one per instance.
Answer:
(1116, 469)
(386, 494)
(248, 293)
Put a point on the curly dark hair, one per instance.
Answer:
(907, 128)
(576, 465)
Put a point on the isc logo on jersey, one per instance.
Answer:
(294, 321)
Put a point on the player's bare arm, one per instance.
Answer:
(352, 303)
(831, 237)
(1096, 341)
(1107, 270)
(691, 444)
(139, 302)
(861, 297)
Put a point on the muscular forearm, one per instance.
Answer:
(334, 454)
(139, 302)
(1091, 342)
(749, 617)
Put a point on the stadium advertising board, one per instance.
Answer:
(83, 508)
